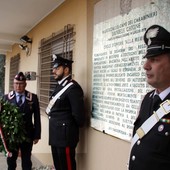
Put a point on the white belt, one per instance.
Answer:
(151, 121)
(53, 100)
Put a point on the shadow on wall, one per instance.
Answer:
(87, 113)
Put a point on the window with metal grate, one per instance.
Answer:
(14, 68)
(60, 43)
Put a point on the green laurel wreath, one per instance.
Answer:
(12, 125)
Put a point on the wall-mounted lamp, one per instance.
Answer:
(26, 39)
(26, 48)
(27, 42)
(23, 47)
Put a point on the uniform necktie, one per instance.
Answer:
(20, 100)
(156, 101)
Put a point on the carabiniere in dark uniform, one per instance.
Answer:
(30, 106)
(156, 144)
(150, 148)
(66, 115)
(32, 123)
(65, 119)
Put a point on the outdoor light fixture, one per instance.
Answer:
(23, 47)
(26, 45)
(26, 48)
(26, 39)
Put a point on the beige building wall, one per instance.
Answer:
(96, 151)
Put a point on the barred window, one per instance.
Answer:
(60, 43)
(14, 68)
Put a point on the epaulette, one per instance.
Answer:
(11, 95)
(29, 96)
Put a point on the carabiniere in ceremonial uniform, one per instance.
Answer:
(150, 149)
(29, 107)
(66, 115)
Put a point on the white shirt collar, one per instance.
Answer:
(163, 94)
(18, 94)
(59, 82)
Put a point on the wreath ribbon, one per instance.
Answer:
(7, 153)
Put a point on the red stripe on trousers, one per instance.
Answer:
(68, 158)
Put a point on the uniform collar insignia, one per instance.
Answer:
(28, 96)
(152, 33)
(64, 83)
(11, 95)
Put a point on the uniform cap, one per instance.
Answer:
(157, 40)
(59, 61)
(20, 77)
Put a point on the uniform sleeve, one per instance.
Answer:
(76, 98)
(37, 119)
(4, 97)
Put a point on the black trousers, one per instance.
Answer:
(64, 158)
(26, 162)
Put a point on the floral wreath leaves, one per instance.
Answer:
(12, 125)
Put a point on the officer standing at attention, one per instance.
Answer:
(29, 105)
(66, 115)
(150, 147)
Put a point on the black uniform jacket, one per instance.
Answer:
(152, 152)
(66, 115)
(31, 113)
